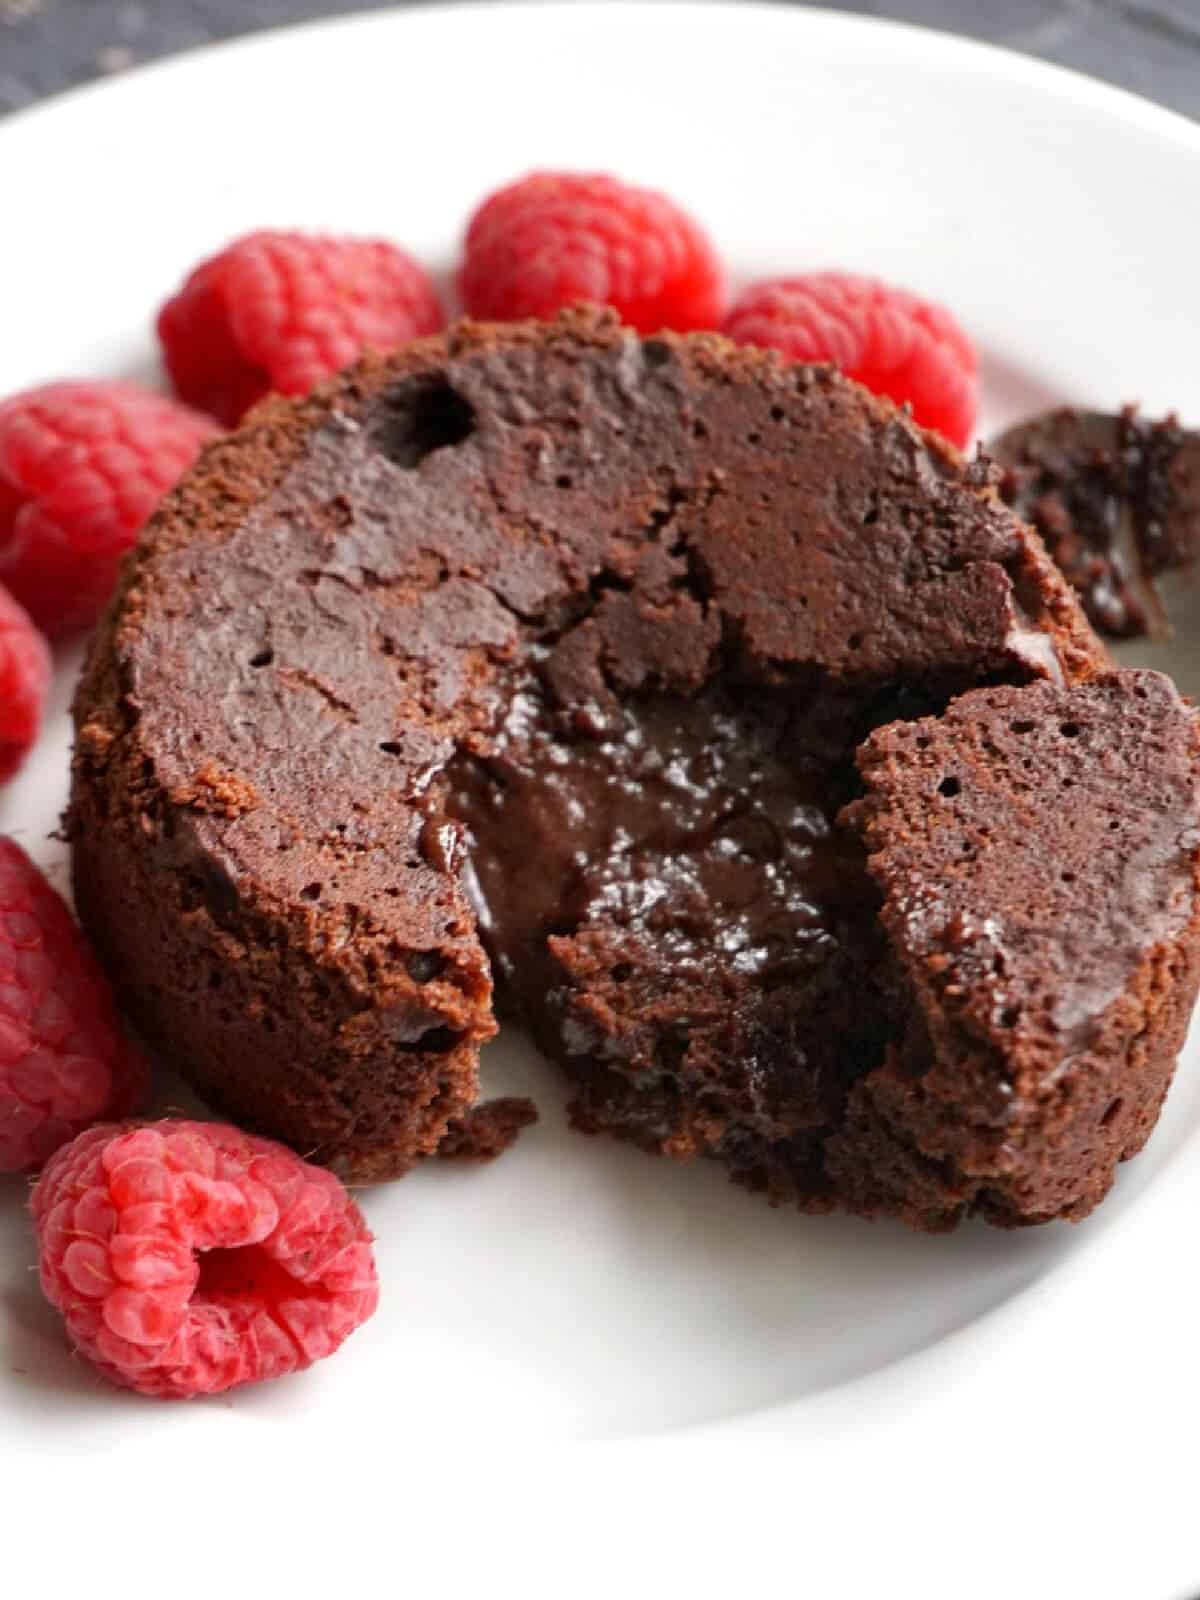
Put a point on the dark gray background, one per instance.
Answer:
(1152, 46)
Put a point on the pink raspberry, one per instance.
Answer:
(24, 683)
(188, 1257)
(63, 1060)
(82, 465)
(554, 239)
(278, 312)
(892, 342)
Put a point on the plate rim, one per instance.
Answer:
(786, 14)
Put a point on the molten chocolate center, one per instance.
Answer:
(663, 887)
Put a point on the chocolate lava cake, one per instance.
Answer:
(549, 656)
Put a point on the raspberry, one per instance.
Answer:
(281, 311)
(889, 340)
(63, 1061)
(188, 1257)
(557, 238)
(24, 681)
(82, 465)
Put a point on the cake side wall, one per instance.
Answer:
(284, 1043)
(1045, 1015)
(1069, 1162)
(266, 1037)
(1058, 1157)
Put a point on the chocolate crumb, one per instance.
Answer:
(488, 1130)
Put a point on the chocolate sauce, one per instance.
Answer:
(1117, 500)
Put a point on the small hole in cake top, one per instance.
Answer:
(424, 965)
(655, 352)
(778, 414)
(1010, 1016)
(264, 658)
(564, 481)
(949, 787)
(419, 416)
(1067, 877)
(1021, 726)
(854, 642)
(1070, 730)
(390, 747)
(311, 891)
(1113, 1111)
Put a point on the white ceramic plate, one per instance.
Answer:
(983, 1405)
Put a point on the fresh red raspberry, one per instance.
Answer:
(281, 311)
(557, 238)
(889, 340)
(82, 465)
(63, 1060)
(188, 1257)
(24, 681)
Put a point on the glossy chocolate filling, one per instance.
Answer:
(667, 896)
